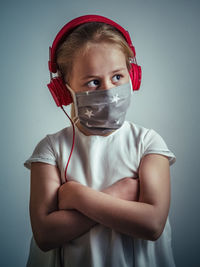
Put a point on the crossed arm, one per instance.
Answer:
(61, 213)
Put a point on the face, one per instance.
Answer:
(99, 66)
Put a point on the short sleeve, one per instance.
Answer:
(153, 143)
(43, 152)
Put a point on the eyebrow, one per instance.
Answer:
(90, 76)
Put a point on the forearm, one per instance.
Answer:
(60, 227)
(129, 217)
(143, 219)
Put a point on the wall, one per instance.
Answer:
(167, 40)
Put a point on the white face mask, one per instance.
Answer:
(102, 111)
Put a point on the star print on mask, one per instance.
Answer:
(103, 111)
(88, 125)
(89, 113)
(115, 99)
(117, 121)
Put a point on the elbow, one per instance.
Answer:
(42, 243)
(44, 246)
(42, 234)
(42, 240)
(151, 231)
(156, 230)
(154, 235)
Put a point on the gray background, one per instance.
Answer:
(167, 41)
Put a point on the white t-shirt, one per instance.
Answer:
(97, 162)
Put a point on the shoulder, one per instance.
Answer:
(62, 138)
(51, 140)
(48, 149)
(141, 133)
(60, 135)
(148, 141)
(136, 130)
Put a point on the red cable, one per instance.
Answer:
(72, 148)
(73, 141)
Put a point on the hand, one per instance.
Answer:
(67, 195)
(126, 188)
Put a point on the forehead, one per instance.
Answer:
(98, 57)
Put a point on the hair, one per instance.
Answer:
(77, 40)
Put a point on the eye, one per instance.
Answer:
(93, 84)
(116, 78)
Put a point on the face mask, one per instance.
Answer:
(102, 111)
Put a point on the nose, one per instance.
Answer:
(106, 84)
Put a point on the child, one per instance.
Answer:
(113, 209)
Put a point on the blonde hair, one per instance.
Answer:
(92, 32)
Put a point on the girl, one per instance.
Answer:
(113, 209)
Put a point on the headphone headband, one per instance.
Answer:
(70, 26)
(57, 86)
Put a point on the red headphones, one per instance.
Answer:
(56, 86)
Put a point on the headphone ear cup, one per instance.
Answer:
(136, 75)
(59, 91)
